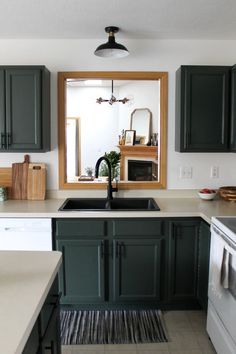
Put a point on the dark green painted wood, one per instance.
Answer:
(46, 109)
(233, 110)
(203, 264)
(183, 258)
(33, 344)
(138, 227)
(50, 342)
(144, 263)
(45, 335)
(81, 228)
(2, 111)
(81, 276)
(137, 267)
(202, 108)
(25, 91)
(49, 306)
(23, 109)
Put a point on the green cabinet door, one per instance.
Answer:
(81, 277)
(33, 343)
(233, 110)
(183, 260)
(136, 270)
(45, 335)
(203, 264)
(2, 111)
(23, 109)
(202, 108)
(50, 342)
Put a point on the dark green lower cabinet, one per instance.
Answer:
(136, 272)
(45, 335)
(161, 262)
(33, 344)
(183, 260)
(81, 276)
(203, 263)
(50, 343)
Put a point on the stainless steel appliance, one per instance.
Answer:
(221, 316)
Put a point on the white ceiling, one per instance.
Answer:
(153, 19)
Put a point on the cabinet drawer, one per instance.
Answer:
(81, 228)
(138, 227)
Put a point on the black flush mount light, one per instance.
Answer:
(111, 49)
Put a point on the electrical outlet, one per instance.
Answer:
(214, 172)
(186, 172)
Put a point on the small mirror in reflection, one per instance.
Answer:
(141, 120)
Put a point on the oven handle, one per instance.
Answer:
(224, 274)
(224, 237)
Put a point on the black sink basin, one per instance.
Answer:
(102, 204)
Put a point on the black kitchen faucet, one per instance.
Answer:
(110, 189)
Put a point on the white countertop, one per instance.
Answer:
(170, 207)
(26, 277)
(25, 280)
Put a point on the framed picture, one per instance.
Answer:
(129, 137)
(140, 140)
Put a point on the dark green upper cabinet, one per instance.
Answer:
(233, 110)
(203, 109)
(25, 109)
(2, 111)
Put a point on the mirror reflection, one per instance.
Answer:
(100, 115)
(141, 119)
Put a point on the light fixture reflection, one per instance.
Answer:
(112, 99)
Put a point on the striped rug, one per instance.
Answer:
(112, 327)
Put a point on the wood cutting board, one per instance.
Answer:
(36, 186)
(19, 179)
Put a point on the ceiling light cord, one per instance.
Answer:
(112, 99)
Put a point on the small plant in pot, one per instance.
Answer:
(114, 158)
(89, 171)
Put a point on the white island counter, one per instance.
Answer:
(25, 280)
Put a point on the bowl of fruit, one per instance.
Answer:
(207, 194)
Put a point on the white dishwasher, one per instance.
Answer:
(26, 234)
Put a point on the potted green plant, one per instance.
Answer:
(89, 171)
(114, 158)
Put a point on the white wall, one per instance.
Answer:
(145, 55)
(98, 122)
(142, 94)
